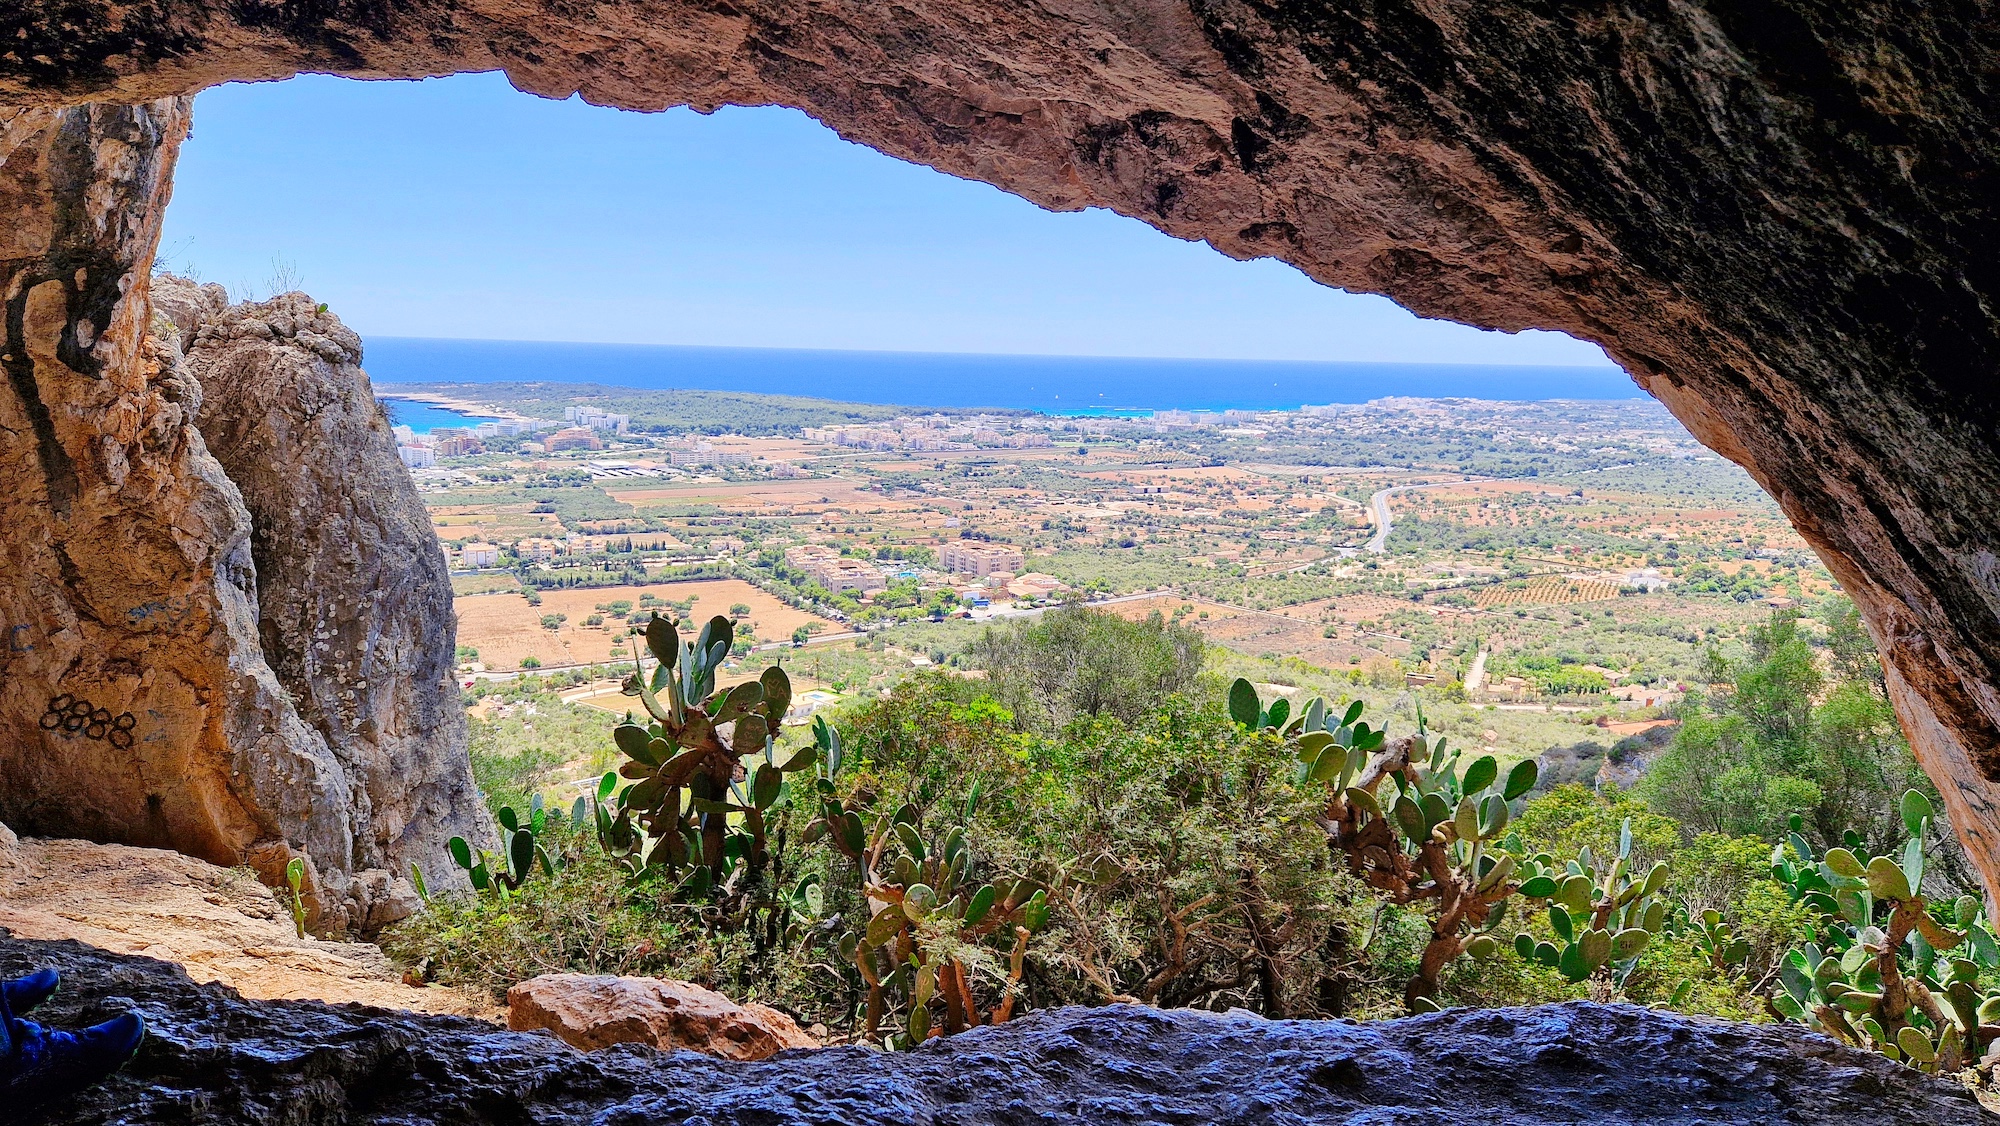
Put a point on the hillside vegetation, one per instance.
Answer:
(1097, 818)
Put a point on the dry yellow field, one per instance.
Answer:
(1165, 605)
(505, 629)
(811, 494)
(1262, 633)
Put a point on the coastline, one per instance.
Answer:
(1068, 385)
(446, 402)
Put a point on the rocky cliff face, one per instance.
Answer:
(217, 1060)
(354, 596)
(1778, 215)
(136, 703)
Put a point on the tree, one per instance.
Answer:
(1847, 640)
(1783, 734)
(1076, 662)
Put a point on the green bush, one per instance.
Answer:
(1782, 740)
(1075, 662)
(588, 918)
(1189, 848)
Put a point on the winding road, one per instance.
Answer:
(1378, 508)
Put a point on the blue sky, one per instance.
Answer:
(462, 208)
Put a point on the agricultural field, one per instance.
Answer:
(489, 583)
(506, 629)
(1299, 632)
(1593, 553)
(1546, 590)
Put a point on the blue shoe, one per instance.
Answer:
(47, 1064)
(24, 994)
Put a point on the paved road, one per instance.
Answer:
(1378, 506)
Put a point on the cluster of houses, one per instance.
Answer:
(936, 432)
(582, 428)
(478, 555)
(421, 451)
(979, 573)
(834, 571)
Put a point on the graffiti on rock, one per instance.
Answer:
(71, 715)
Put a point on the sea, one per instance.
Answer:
(424, 418)
(1078, 385)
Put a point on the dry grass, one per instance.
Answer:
(505, 629)
(1265, 633)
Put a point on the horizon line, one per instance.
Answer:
(1000, 355)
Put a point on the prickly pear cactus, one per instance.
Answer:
(1886, 973)
(611, 823)
(1716, 940)
(521, 849)
(931, 927)
(1602, 920)
(702, 797)
(1431, 837)
(1247, 709)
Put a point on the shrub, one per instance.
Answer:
(588, 918)
(1076, 662)
(1156, 849)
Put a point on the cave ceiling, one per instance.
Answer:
(1778, 216)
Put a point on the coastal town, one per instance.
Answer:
(1540, 560)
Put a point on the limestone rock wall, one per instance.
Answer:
(136, 702)
(354, 594)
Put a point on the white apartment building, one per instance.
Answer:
(972, 557)
(509, 427)
(593, 419)
(834, 571)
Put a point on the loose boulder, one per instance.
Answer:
(591, 1012)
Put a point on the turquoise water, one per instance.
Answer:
(1066, 384)
(424, 418)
